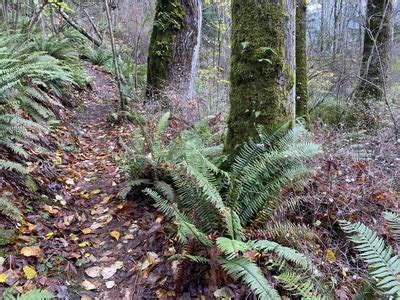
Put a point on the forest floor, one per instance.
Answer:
(86, 243)
(82, 242)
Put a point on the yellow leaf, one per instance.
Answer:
(84, 244)
(3, 277)
(86, 196)
(32, 251)
(106, 200)
(96, 192)
(86, 230)
(49, 235)
(115, 234)
(330, 255)
(29, 272)
(73, 237)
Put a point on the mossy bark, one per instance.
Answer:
(260, 77)
(173, 45)
(301, 61)
(375, 59)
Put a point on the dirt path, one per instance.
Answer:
(109, 248)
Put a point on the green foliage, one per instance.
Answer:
(34, 294)
(8, 209)
(394, 223)
(99, 56)
(33, 75)
(187, 185)
(383, 263)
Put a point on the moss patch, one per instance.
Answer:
(167, 23)
(259, 76)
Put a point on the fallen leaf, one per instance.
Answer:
(51, 210)
(96, 192)
(59, 197)
(70, 181)
(49, 235)
(93, 272)
(86, 231)
(330, 255)
(110, 284)
(151, 259)
(118, 265)
(73, 237)
(29, 272)
(129, 236)
(3, 277)
(68, 220)
(108, 272)
(87, 285)
(115, 234)
(84, 244)
(105, 200)
(32, 251)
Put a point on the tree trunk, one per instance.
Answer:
(174, 46)
(301, 60)
(261, 77)
(375, 59)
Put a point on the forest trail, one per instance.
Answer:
(113, 249)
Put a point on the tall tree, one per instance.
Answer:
(174, 46)
(301, 60)
(262, 74)
(375, 59)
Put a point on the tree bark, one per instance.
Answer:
(261, 76)
(377, 40)
(301, 61)
(174, 46)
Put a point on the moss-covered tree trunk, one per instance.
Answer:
(301, 60)
(261, 76)
(174, 46)
(375, 59)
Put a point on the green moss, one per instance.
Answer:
(259, 76)
(167, 23)
(301, 61)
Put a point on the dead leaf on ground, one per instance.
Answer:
(32, 251)
(115, 234)
(87, 285)
(93, 272)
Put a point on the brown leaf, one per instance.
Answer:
(32, 251)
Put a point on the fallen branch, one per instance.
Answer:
(79, 28)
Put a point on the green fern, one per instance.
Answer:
(34, 294)
(384, 265)
(394, 224)
(242, 268)
(8, 209)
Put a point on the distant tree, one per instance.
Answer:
(174, 46)
(301, 60)
(375, 59)
(261, 68)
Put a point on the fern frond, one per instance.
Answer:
(243, 269)
(301, 285)
(8, 209)
(36, 295)
(394, 223)
(384, 265)
(286, 253)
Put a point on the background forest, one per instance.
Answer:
(199, 149)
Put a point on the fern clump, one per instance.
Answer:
(216, 208)
(383, 262)
(33, 76)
